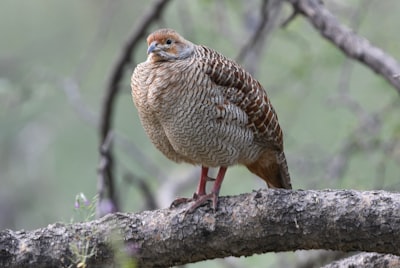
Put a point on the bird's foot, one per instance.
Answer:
(184, 200)
(198, 200)
(201, 200)
(179, 201)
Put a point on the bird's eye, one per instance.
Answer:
(168, 42)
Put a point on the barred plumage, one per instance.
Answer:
(200, 107)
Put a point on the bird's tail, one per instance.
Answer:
(273, 169)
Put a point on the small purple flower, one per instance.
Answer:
(81, 198)
(86, 202)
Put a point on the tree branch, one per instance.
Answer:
(265, 18)
(107, 107)
(367, 260)
(350, 43)
(257, 222)
(123, 60)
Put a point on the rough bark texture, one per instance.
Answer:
(349, 42)
(367, 260)
(257, 222)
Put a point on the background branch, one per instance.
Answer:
(269, 12)
(350, 43)
(106, 115)
(258, 222)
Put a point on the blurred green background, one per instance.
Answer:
(340, 120)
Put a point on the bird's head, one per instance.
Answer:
(166, 45)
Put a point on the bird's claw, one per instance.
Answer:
(184, 200)
(198, 200)
(179, 201)
(201, 200)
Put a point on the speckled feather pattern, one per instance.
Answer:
(207, 110)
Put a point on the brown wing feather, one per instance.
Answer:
(245, 92)
(248, 94)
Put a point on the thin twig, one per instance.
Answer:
(340, 162)
(123, 60)
(144, 187)
(107, 198)
(292, 16)
(72, 91)
(112, 88)
(257, 33)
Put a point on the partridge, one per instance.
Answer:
(202, 108)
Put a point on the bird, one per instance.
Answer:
(202, 108)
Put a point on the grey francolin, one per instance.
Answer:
(202, 108)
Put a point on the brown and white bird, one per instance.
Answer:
(202, 108)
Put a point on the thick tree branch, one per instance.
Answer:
(349, 42)
(258, 222)
(367, 260)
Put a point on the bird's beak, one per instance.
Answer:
(152, 47)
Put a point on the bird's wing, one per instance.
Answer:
(245, 92)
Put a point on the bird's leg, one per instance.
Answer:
(213, 196)
(217, 185)
(201, 188)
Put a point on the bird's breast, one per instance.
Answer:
(198, 119)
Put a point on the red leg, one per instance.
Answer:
(201, 187)
(217, 185)
(213, 196)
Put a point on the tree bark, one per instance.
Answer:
(258, 222)
(367, 260)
